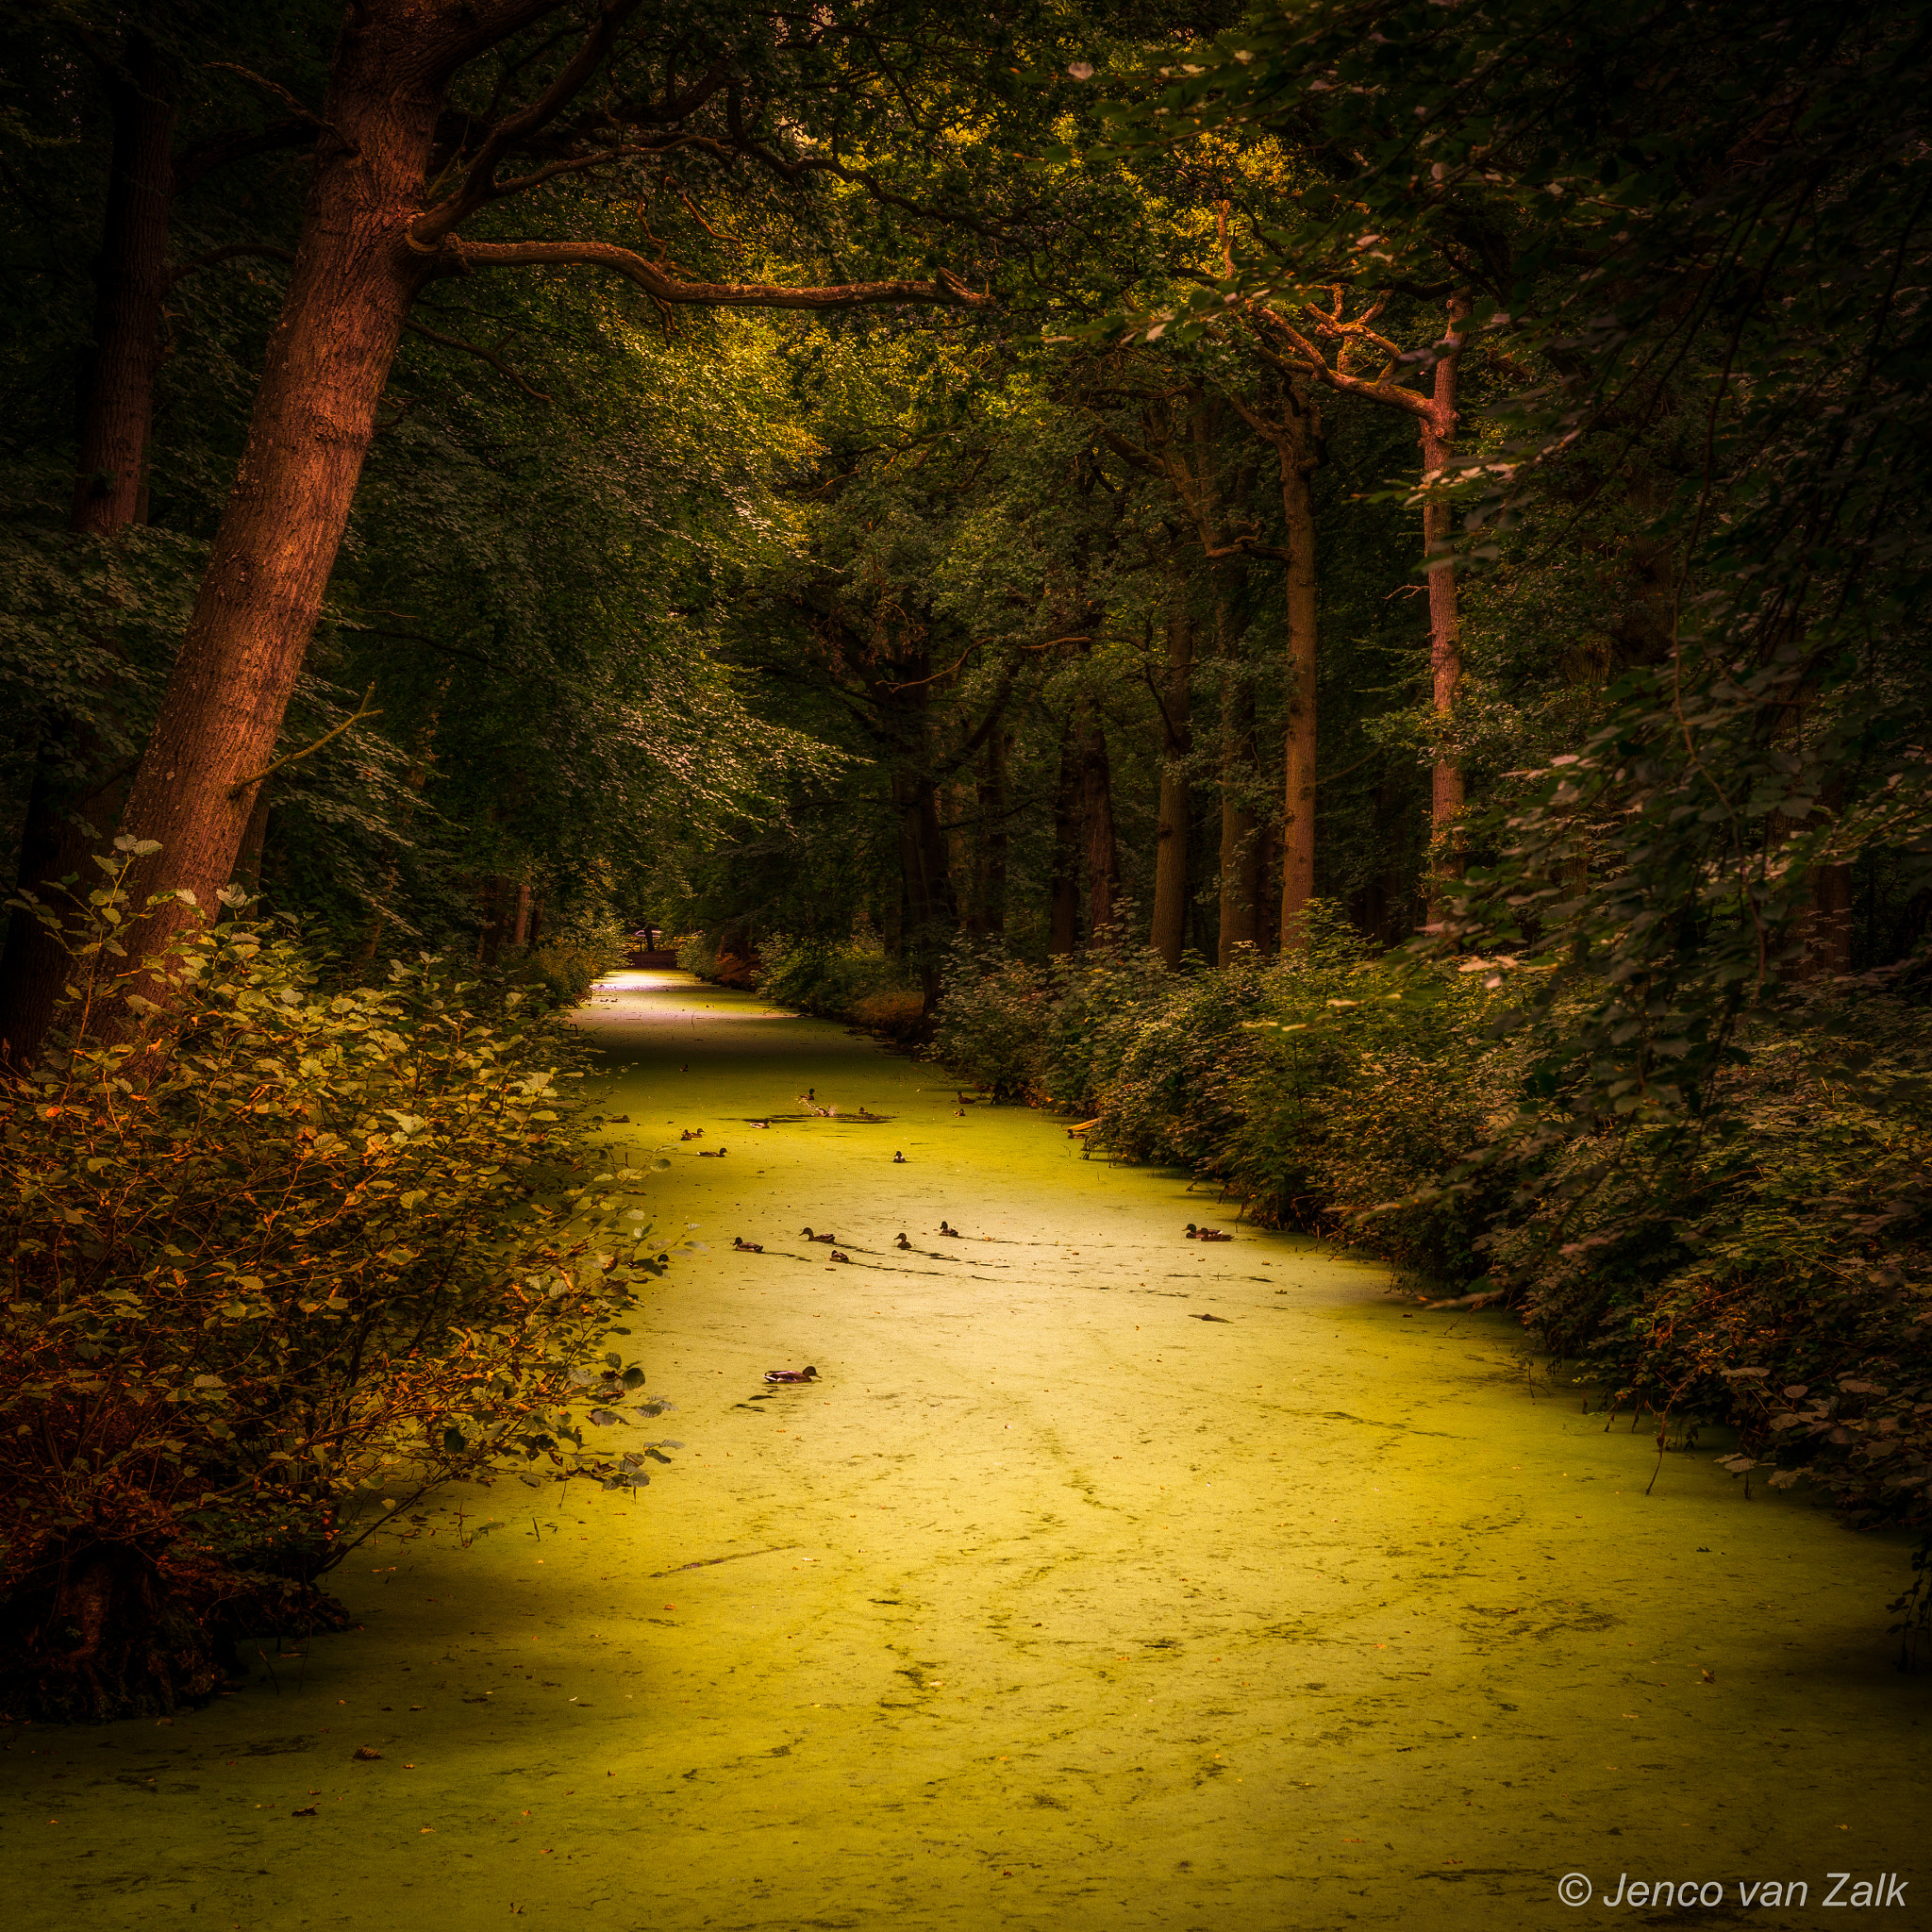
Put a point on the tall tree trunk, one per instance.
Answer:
(931, 915)
(1299, 452)
(349, 292)
(1063, 923)
(1099, 852)
(1240, 846)
(1436, 431)
(1169, 936)
(79, 781)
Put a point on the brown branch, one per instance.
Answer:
(480, 185)
(482, 355)
(464, 255)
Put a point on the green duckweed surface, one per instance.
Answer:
(1104, 1579)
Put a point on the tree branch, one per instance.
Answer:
(479, 184)
(462, 257)
(360, 712)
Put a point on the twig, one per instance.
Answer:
(362, 711)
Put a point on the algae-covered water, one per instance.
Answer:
(1102, 1580)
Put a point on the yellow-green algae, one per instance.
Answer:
(1050, 1605)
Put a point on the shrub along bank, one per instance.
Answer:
(277, 1265)
(1763, 1262)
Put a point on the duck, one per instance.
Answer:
(836, 1256)
(944, 1229)
(712, 1153)
(808, 1374)
(898, 1160)
(757, 1123)
(686, 1135)
(830, 1239)
(1207, 1234)
(745, 1247)
(903, 1242)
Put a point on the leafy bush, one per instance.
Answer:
(1770, 1267)
(839, 979)
(1330, 1089)
(284, 1258)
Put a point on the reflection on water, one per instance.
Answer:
(1048, 1605)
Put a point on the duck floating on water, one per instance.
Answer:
(836, 1256)
(808, 1374)
(690, 1135)
(1207, 1234)
(745, 1247)
(712, 1153)
(898, 1160)
(830, 1239)
(946, 1229)
(903, 1242)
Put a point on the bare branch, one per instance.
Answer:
(479, 184)
(463, 256)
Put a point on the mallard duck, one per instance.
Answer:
(745, 1247)
(945, 1229)
(830, 1239)
(808, 1374)
(903, 1242)
(686, 1135)
(712, 1153)
(898, 1160)
(1207, 1234)
(836, 1256)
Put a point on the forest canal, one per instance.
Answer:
(1103, 1579)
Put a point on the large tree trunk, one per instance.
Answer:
(1099, 852)
(80, 781)
(1063, 919)
(1299, 452)
(1240, 845)
(1437, 432)
(1169, 936)
(349, 292)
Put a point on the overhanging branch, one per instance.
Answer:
(461, 257)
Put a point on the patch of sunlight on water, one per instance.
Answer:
(1054, 1603)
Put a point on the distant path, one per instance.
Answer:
(1050, 1605)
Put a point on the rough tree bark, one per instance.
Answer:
(1169, 936)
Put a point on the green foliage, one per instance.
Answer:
(819, 977)
(1328, 1090)
(275, 1267)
